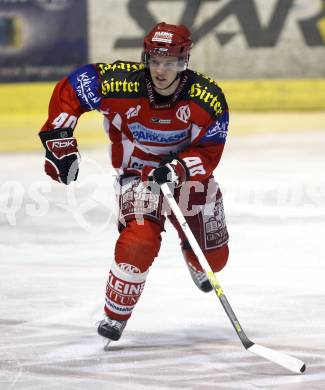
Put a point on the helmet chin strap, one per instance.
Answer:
(175, 79)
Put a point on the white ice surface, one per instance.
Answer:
(57, 243)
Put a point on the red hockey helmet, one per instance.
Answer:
(168, 40)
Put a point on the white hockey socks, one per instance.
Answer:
(124, 287)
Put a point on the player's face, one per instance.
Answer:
(163, 70)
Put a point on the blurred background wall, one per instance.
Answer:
(238, 39)
(267, 55)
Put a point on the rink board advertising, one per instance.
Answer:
(233, 39)
(40, 39)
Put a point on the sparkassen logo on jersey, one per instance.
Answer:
(145, 134)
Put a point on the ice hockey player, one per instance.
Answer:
(165, 123)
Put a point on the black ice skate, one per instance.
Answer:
(199, 278)
(111, 329)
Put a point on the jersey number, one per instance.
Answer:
(66, 120)
(194, 165)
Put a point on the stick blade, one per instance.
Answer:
(284, 360)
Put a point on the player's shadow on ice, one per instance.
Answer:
(187, 339)
(206, 348)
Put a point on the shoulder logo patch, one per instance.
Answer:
(133, 111)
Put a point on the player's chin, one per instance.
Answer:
(160, 83)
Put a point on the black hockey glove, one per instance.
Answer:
(61, 156)
(171, 170)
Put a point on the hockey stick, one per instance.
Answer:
(280, 358)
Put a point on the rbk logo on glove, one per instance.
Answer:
(61, 156)
(63, 147)
(70, 142)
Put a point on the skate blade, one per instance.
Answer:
(106, 347)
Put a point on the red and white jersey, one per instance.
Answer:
(143, 127)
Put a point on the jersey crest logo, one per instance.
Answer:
(183, 113)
